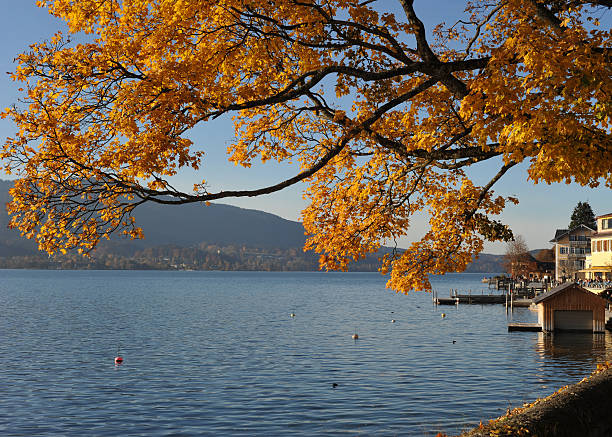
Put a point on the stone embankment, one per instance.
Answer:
(583, 409)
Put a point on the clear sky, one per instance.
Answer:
(542, 208)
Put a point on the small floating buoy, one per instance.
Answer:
(292, 315)
(334, 385)
(443, 315)
(454, 341)
(392, 320)
(355, 336)
(118, 358)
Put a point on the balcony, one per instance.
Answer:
(580, 243)
(577, 255)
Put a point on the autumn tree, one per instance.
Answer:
(568, 268)
(385, 117)
(517, 259)
(583, 215)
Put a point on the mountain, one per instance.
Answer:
(487, 263)
(186, 225)
(11, 242)
(219, 224)
(200, 237)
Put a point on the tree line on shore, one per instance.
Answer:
(205, 257)
(171, 257)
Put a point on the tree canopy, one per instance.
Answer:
(385, 116)
(583, 215)
(517, 259)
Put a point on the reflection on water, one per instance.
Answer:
(563, 348)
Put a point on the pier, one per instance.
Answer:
(522, 302)
(446, 301)
(532, 327)
(471, 299)
(480, 299)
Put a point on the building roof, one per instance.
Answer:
(554, 291)
(604, 215)
(560, 233)
(560, 289)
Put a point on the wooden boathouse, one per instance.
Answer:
(569, 307)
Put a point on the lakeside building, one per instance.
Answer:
(571, 248)
(569, 307)
(598, 265)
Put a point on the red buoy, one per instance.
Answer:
(118, 360)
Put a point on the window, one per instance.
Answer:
(578, 238)
(594, 246)
(606, 223)
(563, 250)
(598, 245)
(605, 245)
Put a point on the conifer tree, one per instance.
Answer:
(583, 215)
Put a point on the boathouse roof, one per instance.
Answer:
(561, 288)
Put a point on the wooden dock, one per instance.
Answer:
(522, 303)
(532, 327)
(481, 298)
(473, 299)
(446, 301)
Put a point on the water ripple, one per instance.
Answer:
(213, 353)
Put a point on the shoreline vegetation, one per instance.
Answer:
(203, 256)
(172, 257)
(581, 409)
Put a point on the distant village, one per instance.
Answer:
(584, 253)
(573, 290)
(581, 253)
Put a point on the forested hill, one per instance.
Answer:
(193, 236)
(217, 224)
(186, 225)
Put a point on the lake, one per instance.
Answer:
(217, 353)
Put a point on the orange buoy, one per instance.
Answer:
(118, 360)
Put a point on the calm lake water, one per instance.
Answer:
(217, 353)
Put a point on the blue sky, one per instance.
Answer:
(542, 208)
